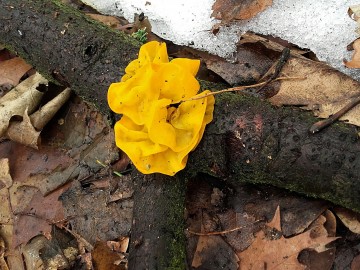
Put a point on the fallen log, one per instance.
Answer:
(66, 46)
(248, 140)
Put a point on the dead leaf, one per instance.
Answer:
(5, 177)
(355, 60)
(3, 264)
(212, 252)
(12, 70)
(105, 258)
(271, 250)
(27, 131)
(42, 116)
(354, 13)
(324, 91)
(229, 10)
(242, 238)
(31, 252)
(38, 215)
(23, 132)
(355, 264)
(349, 218)
(120, 246)
(22, 97)
(110, 21)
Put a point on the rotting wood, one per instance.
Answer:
(248, 141)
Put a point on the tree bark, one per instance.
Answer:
(248, 140)
(67, 46)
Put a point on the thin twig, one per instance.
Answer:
(327, 122)
(275, 68)
(222, 232)
(238, 88)
(215, 233)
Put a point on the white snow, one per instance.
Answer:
(322, 26)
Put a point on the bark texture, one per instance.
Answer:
(248, 141)
(66, 46)
(158, 225)
(252, 141)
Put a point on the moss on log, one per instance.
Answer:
(254, 142)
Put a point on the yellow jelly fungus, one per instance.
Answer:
(156, 133)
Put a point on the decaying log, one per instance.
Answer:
(252, 141)
(67, 46)
(248, 141)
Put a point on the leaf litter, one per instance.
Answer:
(69, 137)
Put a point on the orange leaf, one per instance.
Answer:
(271, 250)
(12, 70)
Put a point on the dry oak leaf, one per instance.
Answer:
(271, 250)
(229, 10)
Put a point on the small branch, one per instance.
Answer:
(327, 122)
(219, 233)
(276, 68)
(215, 233)
(239, 88)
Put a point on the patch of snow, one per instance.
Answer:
(322, 26)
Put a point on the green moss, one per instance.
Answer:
(175, 258)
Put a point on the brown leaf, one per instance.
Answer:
(355, 60)
(23, 132)
(354, 13)
(324, 91)
(41, 117)
(3, 264)
(214, 251)
(105, 258)
(38, 215)
(22, 97)
(110, 21)
(271, 250)
(229, 10)
(5, 177)
(12, 70)
(355, 264)
(120, 246)
(349, 218)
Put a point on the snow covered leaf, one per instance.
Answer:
(229, 10)
(271, 250)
